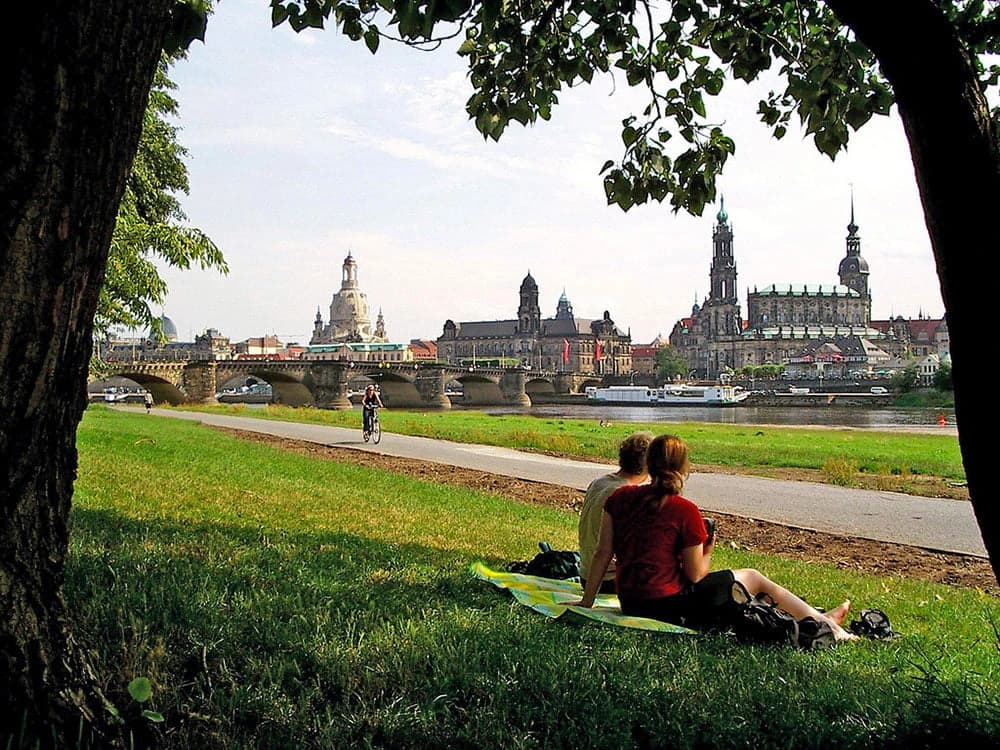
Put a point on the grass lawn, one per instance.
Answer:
(840, 456)
(279, 601)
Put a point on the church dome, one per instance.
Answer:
(853, 264)
(167, 327)
(528, 283)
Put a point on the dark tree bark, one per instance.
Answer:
(957, 166)
(76, 81)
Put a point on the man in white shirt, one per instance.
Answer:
(631, 470)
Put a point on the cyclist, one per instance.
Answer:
(369, 403)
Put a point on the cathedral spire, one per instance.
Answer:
(722, 216)
(852, 228)
(853, 270)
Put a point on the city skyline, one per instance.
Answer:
(303, 148)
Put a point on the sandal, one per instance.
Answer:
(874, 623)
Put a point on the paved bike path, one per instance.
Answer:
(932, 523)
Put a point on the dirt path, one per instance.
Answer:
(878, 558)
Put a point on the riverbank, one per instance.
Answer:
(916, 463)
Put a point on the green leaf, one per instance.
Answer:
(372, 39)
(279, 13)
(141, 689)
(154, 716)
(188, 21)
(696, 103)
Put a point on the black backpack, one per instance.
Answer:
(759, 620)
(549, 563)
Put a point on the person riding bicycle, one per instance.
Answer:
(369, 403)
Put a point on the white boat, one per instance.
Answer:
(670, 395)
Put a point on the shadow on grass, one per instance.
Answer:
(254, 637)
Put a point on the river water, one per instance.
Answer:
(828, 416)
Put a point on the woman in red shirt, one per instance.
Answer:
(663, 553)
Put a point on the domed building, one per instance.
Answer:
(350, 320)
(167, 329)
(562, 343)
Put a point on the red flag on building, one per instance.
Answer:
(565, 351)
(597, 350)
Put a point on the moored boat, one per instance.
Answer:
(670, 395)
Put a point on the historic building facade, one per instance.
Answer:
(563, 343)
(811, 329)
(164, 347)
(349, 321)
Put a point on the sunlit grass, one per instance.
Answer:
(734, 446)
(278, 600)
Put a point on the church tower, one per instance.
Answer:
(853, 268)
(564, 310)
(349, 320)
(529, 314)
(722, 307)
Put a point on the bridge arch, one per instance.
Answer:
(325, 383)
(165, 389)
(290, 387)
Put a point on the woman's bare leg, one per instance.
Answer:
(757, 583)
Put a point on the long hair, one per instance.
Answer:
(667, 463)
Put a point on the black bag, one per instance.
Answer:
(549, 563)
(874, 623)
(758, 619)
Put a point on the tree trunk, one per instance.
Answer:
(76, 82)
(957, 165)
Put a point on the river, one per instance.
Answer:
(825, 416)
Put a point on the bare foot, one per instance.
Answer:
(839, 613)
(840, 635)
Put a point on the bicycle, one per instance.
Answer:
(374, 429)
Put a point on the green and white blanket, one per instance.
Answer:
(548, 597)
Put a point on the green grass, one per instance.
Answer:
(281, 601)
(732, 446)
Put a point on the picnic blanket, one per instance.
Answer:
(547, 596)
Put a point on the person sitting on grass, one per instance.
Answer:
(631, 470)
(663, 553)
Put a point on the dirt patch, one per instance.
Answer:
(862, 555)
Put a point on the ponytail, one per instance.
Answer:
(667, 463)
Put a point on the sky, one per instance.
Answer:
(303, 148)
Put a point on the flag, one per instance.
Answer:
(597, 350)
(565, 351)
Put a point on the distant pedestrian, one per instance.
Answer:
(147, 399)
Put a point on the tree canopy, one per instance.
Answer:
(150, 223)
(670, 364)
(682, 53)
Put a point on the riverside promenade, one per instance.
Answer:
(931, 523)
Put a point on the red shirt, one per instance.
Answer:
(648, 539)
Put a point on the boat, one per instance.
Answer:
(670, 395)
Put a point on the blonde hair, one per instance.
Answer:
(667, 463)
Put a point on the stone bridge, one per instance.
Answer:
(325, 384)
